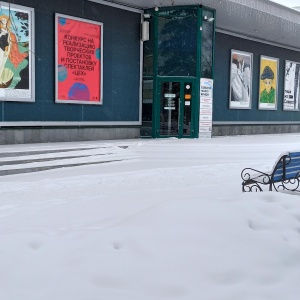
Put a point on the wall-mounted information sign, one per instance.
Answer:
(206, 103)
(169, 101)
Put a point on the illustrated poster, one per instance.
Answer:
(16, 49)
(268, 83)
(79, 61)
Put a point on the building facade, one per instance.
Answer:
(96, 69)
(49, 115)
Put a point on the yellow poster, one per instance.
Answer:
(268, 83)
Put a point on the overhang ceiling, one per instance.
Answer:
(258, 19)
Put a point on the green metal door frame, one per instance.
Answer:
(193, 105)
(195, 80)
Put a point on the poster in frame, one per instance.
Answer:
(17, 53)
(291, 98)
(268, 83)
(78, 62)
(240, 96)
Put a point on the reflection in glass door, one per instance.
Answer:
(176, 104)
(169, 108)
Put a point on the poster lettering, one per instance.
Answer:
(79, 61)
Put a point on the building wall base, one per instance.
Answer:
(228, 130)
(48, 135)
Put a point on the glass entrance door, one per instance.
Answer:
(175, 110)
(169, 108)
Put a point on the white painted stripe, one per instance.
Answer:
(256, 40)
(117, 5)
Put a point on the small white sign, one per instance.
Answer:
(206, 87)
(205, 123)
(188, 103)
(205, 118)
(205, 135)
(169, 95)
(205, 129)
(206, 106)
(206, 100)
(205, 111)
(205, 126)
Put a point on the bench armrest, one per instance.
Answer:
(256, 175)
(253, 178)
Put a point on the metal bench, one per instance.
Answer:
(285, 175)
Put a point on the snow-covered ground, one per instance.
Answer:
(147, 220)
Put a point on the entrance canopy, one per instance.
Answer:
(258, 19)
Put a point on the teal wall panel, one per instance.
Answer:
(121, 65)
(221, 111)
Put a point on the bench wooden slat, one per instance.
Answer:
(294, 154)
(290, 172)
(294, 161)
(293, 165)
(279, 177)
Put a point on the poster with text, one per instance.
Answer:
(291, 86)
(16, 53)
(206, 107)
(268, 78)
(78, 60)
(240, 80)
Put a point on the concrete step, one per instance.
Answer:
(16, 162)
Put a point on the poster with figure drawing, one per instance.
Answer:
(78, 60)
(16, 49)
(268, 86)
(240, 80)
(291, 86)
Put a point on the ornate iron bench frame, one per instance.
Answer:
(285, 175)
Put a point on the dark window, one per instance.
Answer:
(177, 42)
(207, 44)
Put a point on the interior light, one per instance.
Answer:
(206, 18)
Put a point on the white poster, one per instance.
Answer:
(291, 86)
(240, 80)
(206, 105)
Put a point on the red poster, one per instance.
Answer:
(78, 70)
